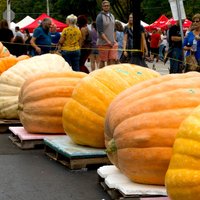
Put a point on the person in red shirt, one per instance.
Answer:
(154, 45)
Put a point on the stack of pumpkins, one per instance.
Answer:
(132, 111)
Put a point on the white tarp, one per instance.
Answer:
(144, 23)
(12, 26)
(141, 22)
(24, 22)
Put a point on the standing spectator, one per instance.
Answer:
(163, 46)
(18, 46)
(55, 36)
(18, 32)
(86, 41)
(69, 43)
(129, 40)
(175, 49)
(154, 44)
(119, 38)
(6, 35)
(148, 39)
(27, 39)
(41, 39)
(94, 56)
(192, 39)
(107, 45)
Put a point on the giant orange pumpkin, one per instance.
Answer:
(84, 114)
(182, 179)
(42, 98)
(141, 124)
(4, 52)
(7, 62)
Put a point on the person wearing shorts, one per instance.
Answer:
(107, 46)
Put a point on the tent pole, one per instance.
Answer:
(8, 12)
(48, 8)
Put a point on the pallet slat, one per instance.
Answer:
(25, 140)
(65, 151)
(118, 186)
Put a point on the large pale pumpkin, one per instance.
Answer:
(182, 179)
(42, 98)
(4, 52)
(12, 79)
(141, 124)
(84, 114)
(7, 62)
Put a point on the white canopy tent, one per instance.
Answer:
(141, 22)
(12, 26)
(24, 22)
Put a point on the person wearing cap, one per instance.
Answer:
(107, 46)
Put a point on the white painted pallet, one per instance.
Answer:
(119, 186)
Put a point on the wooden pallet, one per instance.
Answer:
(118, 186)
(73, 156)
(5, 124)
(25, 140)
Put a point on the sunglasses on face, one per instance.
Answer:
(195, 21)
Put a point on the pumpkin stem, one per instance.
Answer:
(111, 146)
(20, 107)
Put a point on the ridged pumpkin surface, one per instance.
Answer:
(141, 124)
(182, 179)
(42, 98)
(7, 62)
(12, 79)
(84, 114)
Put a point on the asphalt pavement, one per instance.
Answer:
(160, 66)
(31, 175)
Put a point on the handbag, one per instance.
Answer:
(191, 63)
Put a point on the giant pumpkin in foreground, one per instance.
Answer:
(12, 79)
(84, 114)
(141, 124)
(182, 179)
(42, 98)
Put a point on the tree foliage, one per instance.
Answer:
(59, 9)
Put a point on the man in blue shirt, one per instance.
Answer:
(41, 39)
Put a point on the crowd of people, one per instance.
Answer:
(106, 42)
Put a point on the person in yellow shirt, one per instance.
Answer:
(69, 43)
